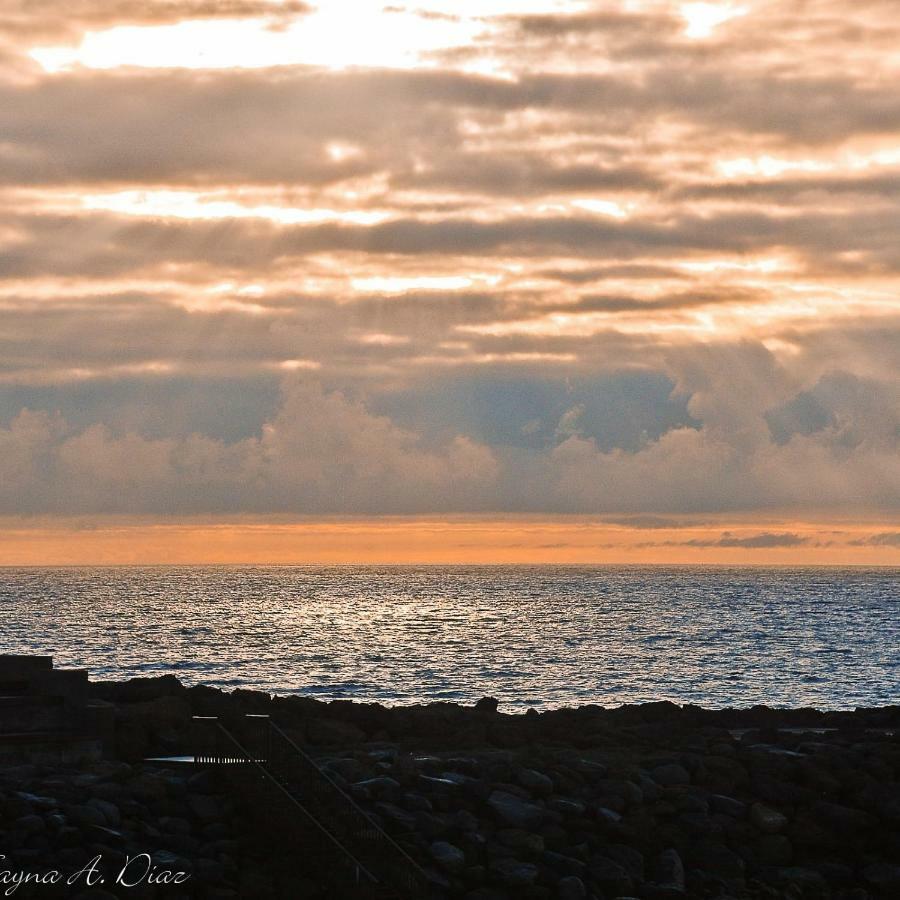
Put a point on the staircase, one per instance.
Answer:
(278, 778)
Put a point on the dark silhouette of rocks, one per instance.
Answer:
(648, 801)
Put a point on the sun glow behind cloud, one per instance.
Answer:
(701, 19)
(395, 38)
(191, 205)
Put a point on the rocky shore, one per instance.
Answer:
(650, 801)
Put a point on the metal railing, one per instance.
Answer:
(324, 804)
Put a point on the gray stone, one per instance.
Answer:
(432, 825)
(885, 877)
(571, 888)
(610, 875)
(774, 850)
(205, 807)
(149, 788)
(844, 820)
(85, 815)
(649, 788)
(513, 873)
(518, 839)
(203, 782)
(30, 824)
(536, 782)
(670, 870)
(109, 811)
(719, 803)
(178, 825)
(766, 819)
(401, 819)
(380, 786)
(565, 865)
(37, 801)
(466, 821)
(671, 774)
(629, 858)
(416, 802)
(567, 806)
(718, 860)
(608, 817)
(447, 856)
(803, 878)
(515, 812)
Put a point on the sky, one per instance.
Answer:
(505, 281)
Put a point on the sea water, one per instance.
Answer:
(541, 636)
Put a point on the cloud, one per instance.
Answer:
(765, 539)
(667, 270)
(321, 453)
(884, 539)
(53, 20)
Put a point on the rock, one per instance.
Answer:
(728, 806)
(36, 801)
(400, 818)
(513, 873)
(348, 768)
(85, 815)
(28, 825)
(465, 820)
(843, 820)
(884, 877)
(608, 818)
(567, 806)
(535, 782)
(111, 791)
(592, 769)
(766, 819)
(483, 893)
(805, 879)
(208, 871)
(334, 733)
(109, 811)
(716, 859)
(774, 850)
(487, 705)
(629, 858)
(179, 825)
(515, 812)
(432, 825)
(206, 808)
(149, 788)
(565, 865)
(610, 875)
(380, 786)
(416, 802)
(670, 870)
(449, 857)
(474, 787)
(571, 888)
(214, 831)
(671, 774)
(517, 839)
(649, 788)
(204, 782)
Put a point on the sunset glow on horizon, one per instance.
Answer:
(583, 282)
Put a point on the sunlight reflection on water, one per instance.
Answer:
(530, 636)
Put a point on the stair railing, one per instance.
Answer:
(285, 764)
(216, 745)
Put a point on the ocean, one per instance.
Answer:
(531, 636)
